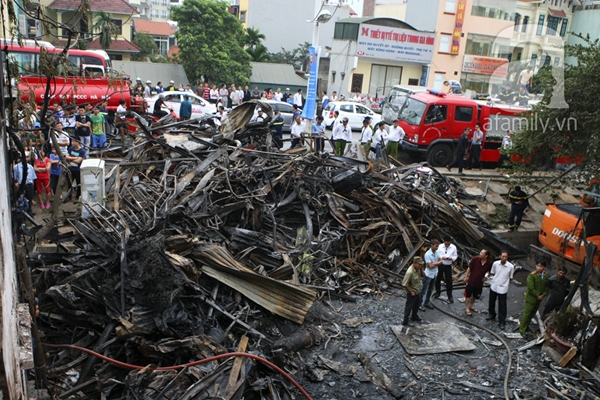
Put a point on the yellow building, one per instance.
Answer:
(67, 12)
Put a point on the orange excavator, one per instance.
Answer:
(566, 229)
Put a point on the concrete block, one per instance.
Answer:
(566, 198)
(544, 198)
(495, 198)
(474, 191)
(499, 188)
(572, 191)
(537, 206)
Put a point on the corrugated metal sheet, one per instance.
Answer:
(275, 75)
(154, 72)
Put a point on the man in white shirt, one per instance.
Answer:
(503, 272)
(394, 138)
(296, 132)
(148, 90)
(448, 255)
(342, 134)
(336, 119)
(334, 96)
(366, 136)
(278, 95)
(234, 96)
(357, 98)
(298, 98)
(526, 78)
(432, 262)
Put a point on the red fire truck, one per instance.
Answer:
(433, 122)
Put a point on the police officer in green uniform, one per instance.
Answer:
(537, 289)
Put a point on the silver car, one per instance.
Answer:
(284, 109)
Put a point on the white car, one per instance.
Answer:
(200, 107)
(355, 113)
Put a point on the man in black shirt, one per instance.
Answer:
(558, 288)
(159, 105)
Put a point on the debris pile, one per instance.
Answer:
(223, 248)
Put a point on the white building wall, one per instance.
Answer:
(284, 23)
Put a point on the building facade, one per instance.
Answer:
(286, 23)
(370, 55)
(585, 22)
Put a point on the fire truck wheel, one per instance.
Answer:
(440, 155)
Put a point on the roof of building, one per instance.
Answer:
(121, 45)
(557, 13)
(153, 72)
(108, 6)
(382, 21)
(154, 27)
(281, 74)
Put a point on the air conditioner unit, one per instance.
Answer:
(23, 28)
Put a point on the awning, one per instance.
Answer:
(557, 13)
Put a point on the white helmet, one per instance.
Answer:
(139, 79)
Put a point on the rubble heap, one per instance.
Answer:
(225, 246)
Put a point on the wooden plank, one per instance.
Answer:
(237, 365)
(568, 357)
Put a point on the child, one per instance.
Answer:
(20, 207)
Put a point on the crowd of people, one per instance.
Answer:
(76, 131)
(424, 279)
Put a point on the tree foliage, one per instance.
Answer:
(259, 53)
(252, 37)
(566, 132)
(295, 57)
(106, 27)
(147, 45)
(209, 40)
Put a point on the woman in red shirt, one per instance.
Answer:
(41, 165)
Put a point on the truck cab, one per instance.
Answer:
(433, 122)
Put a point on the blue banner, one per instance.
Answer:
(424, 76)
(310, 107)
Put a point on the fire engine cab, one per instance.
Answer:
(433, 122)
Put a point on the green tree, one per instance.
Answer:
(572, 131)
(107, 28)
(252, 38)
(209, 42)
(147, 45)
(294, 57)
(259, 53)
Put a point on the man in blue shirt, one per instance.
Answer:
(318, 133)
(185, 110)
(31, 176)
(453, 87)
(432, 260)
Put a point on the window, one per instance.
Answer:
(450, 6)
(347, 108)
(517, 22)
(198, 101)
(438, 82)
(345, 31)
(357, 83)
(118, 57)
(552, 27)
(243, 17)
(154, 13)
(413, 81)
(463, 114)
(540, 27)
(173, 98)
(162, 44)
(556, 61)
(155, 2)
(547, 60)
(444, 43)
(383, 77)
(525, 22)
(164, 3)
(361, 110)
(119, 25)
(164, 14)
(436, 114)
(563, 27)
(487, 12)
